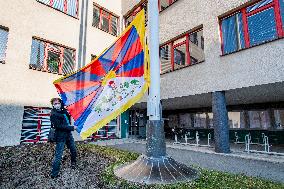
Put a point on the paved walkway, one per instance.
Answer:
(257, 165)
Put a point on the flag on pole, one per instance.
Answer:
(110, 84)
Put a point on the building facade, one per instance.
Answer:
(40, 41)
(213, 54)
(230, 47)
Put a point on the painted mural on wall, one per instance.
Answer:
(36, 125)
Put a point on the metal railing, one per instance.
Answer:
(187, 138)
(265, 144)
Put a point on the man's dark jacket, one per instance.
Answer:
(61, 125)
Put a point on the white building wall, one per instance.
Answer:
(21, 86)
(255, 66)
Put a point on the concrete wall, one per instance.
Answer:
(21, 86)
(254, 66)
(11, 116)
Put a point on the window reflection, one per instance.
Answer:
(244, 119)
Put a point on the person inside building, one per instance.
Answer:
(60, 120)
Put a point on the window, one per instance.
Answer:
(36, 124)
(180, 53)
(183, 51)
(130, 17)
(191, 120)
(69, 7)
(193, 38)
(3, 44)
(165, 58)
(279, 118)
(193, 60)
(196, 47)
(252, 25)
(202, 42)
(105, 20)
(163, 4)
(259, 119)
(109, 131)
(232, 33)
(46, 56)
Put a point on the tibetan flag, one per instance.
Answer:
(110, 84)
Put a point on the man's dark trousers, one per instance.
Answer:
(69, 141)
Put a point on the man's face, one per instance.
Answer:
(56, 104)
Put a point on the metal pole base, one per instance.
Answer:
(149, 170)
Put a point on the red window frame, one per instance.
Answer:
(60, 52)
(140, 6)
(51, 2)
(186, 42)
(169, 49)
(134, 11)
(278, 20)
(96, 136)
(109, 18)
(170, 2)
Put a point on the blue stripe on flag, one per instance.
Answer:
(69, 98)
(81, 120)
(106, 58)
(135, 62)
(82, 76)
(130, 40)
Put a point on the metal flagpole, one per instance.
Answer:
(156, 146)
(154, 96)
(155, 167)
(83, 34)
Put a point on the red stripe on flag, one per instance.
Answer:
(95, 68)
(76, 85)
(119, 44)
(133, 51)
(79, 107)
(135, 72)
(58, 87)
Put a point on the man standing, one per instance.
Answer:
(60, 120)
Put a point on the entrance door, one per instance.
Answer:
(138, 121)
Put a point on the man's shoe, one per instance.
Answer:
(73, 165)
(53, 177)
